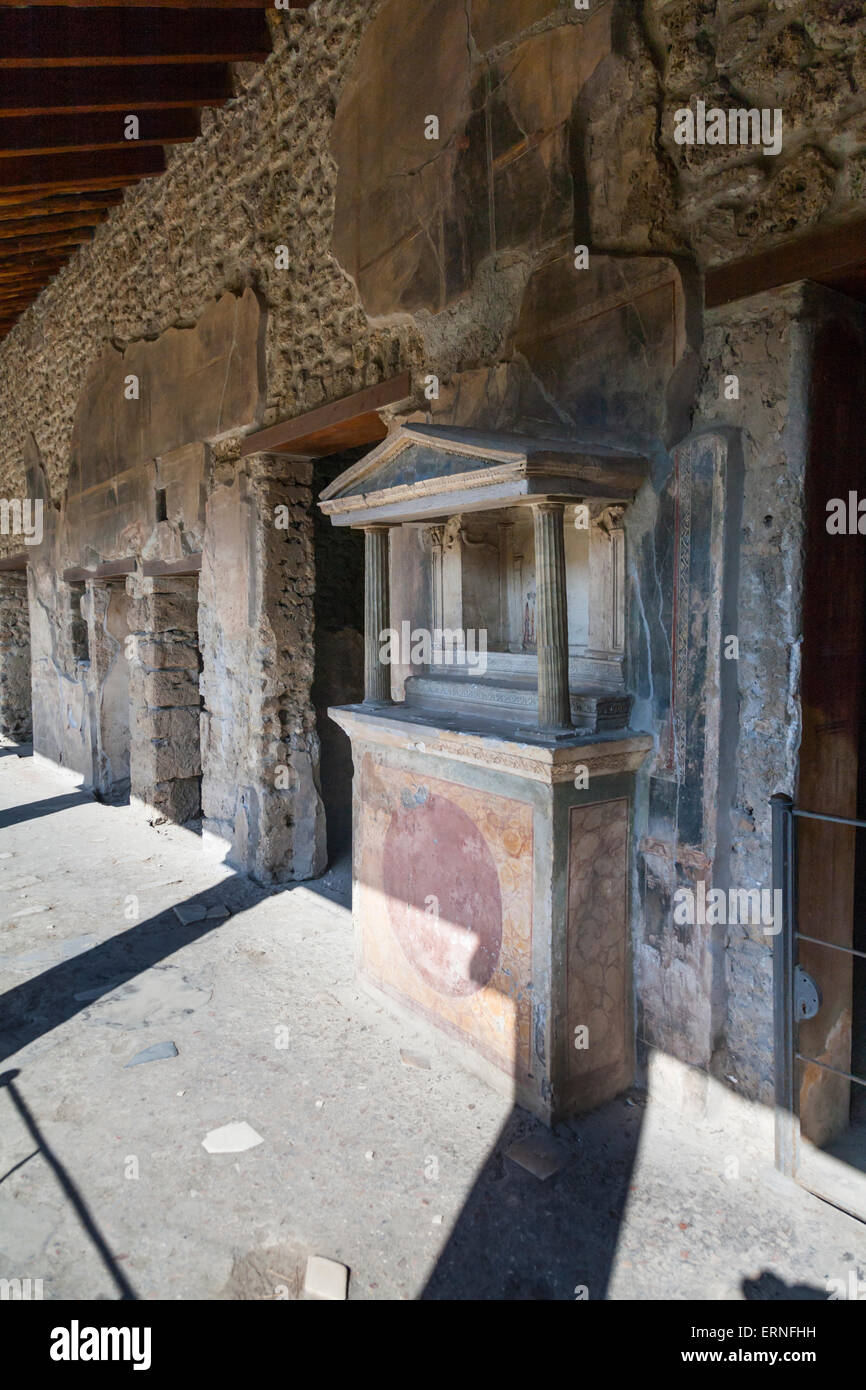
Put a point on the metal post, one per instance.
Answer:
(784, 881)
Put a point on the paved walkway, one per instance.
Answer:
(397, 1171)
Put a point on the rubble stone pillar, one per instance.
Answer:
(15, 698)
(554, 708)
(262, 806)
(94, 608)
(164, 699)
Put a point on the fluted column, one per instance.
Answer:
(554, 709)
(377, 619)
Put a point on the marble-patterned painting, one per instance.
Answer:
(443, 897)
(597, 936)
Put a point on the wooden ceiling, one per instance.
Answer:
(835, 257)
(70, 74)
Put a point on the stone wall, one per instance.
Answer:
(584, 107)
(164, 698)
(111, 656)
(260, 795)
(15, 719)
(769, 343)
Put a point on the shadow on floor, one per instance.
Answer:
(70, 1191)
(15, 815)
(38, 1005)
(519, 1238)
(770, 1288)
(17, 750)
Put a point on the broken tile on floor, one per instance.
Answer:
(540, 1155)
(414, 1059)
(157, 1053)
(190, 912)
(235, 1138)
(326, 1279)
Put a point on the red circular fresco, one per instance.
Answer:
(443, 895)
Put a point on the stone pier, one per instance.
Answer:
(165, 704)
(15, 707)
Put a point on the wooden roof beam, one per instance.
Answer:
(61, 38)
(54, 242)
(157, 4)
(32, 203)
(93, 130)
(31, 92)
(342, 424)
(14, 303)
(77, 170)
(820, 255)
(24, 294)
(17, 228)
(26, 264)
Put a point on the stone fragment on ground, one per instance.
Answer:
(157, 1053)
(198, 912)
(235, 1138)
(190, 912)
(326, 1279)
(414, 1059)
(540, 1155)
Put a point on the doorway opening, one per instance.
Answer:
(339, 657)
(831, 857)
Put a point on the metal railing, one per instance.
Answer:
(785, 816)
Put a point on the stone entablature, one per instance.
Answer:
(551, 764)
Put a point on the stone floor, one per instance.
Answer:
(396, 1170)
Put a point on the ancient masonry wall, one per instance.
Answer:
(15, 719)
(263, 175)
(164, 698)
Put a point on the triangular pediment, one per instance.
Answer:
(420, 469)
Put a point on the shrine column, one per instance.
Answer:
(377, 615)
(554, 707)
